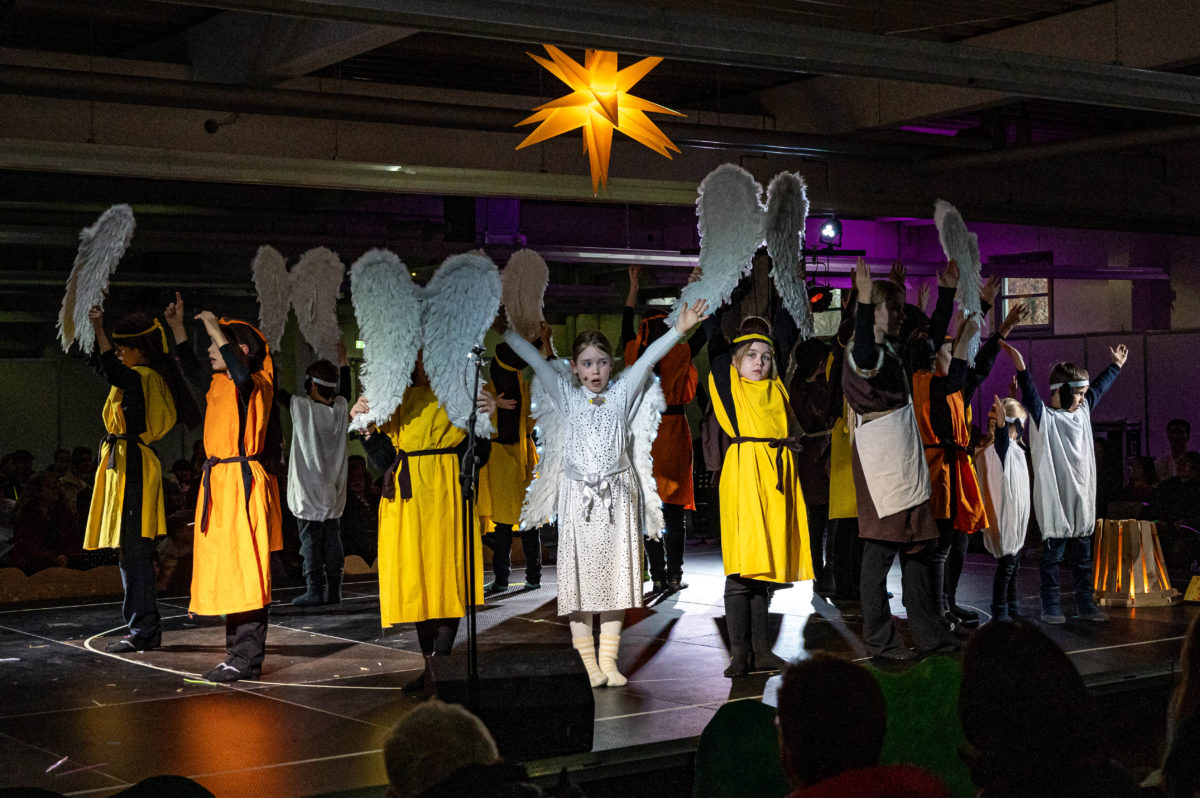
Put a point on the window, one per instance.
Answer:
(1035, 291)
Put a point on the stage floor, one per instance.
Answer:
(79, 721)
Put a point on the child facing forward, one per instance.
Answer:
(1004, 474)
(1064, 475)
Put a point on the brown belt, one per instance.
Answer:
(398, 472)
(779, 445)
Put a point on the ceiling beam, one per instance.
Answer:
(670, 31)
(265, 50)
(1141, 34)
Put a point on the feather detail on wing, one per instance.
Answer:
(274, 293)
(525, 278)
(962, 246)
(101, 247)
(541, 497)
(787, 210)
(316, 279)
(644, 429)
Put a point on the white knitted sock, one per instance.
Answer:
(588, 654)
(609, 644)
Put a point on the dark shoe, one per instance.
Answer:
(313, 595)
(767, 662)
(897, 655)
(1093, 614)
(334, 590)
(1000, 614)
(532, 585)
(657, 586)
(1053, 616)
(964, 613)
(675, 584)
(495, 587)
(955, 624)
(738, 665)
(228, 673)
(951, 647)
(417, 685)
(1014, 611)
(127, 645)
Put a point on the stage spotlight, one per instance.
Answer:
(831, 231)
(820, 297)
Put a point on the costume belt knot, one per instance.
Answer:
(780, 445)
(596, 486)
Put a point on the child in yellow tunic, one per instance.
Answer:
(421, 551)
(764, 525)
(127, 510)
(238, 522)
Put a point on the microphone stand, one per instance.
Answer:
(468, 472)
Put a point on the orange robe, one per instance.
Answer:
(232, 552)
(672, 448)
(958, 488)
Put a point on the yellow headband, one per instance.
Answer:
(751, 338)
(155, 326)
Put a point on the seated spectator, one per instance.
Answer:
(15, 470)
(44, 527)
(1032, 728)
(1179, 432)
(1181, 770)
(360, 518)
(832, 720)
(61, 463)
(1176, 508)
(441, 750)
(1142, 480)
(77, 482)
(182, 474)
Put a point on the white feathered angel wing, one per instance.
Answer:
(274, 293)
(787, 210)
(963, 246)
(541, 497)
(100, 249)
(460, 305)
(388, 307)
(524, 281)
(731, 229)
(315, 279)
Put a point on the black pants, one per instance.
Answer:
(321, 549)
(531, 542)
(140, 606)
(246, 639)
(436, 635)
(879, 633)
(1004, 587)
(669, 566)
(818, 520)
(845, 554)
(947, 563)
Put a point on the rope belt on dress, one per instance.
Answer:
(399, 471)
(675, 410)
(779, 445)
(596, 486)
(111, 439)
(206, 483)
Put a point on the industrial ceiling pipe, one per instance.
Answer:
(138, 90)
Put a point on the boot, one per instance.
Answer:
(737, 622)
(608, 659)
(587, 653)
(760, 632)
(1000, 613)
(314, 595)
(334, 590)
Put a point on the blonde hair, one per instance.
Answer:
(754, 325)
(1014, 409)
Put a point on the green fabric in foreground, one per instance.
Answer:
(738, 754)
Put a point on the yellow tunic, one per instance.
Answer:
(421, 552)
(108, 497)
(764, 531)
(231, 570)
(502, 482)
(843, 500)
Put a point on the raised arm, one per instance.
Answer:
(985, 358)
(195, 373)
(544, 370)
(1104, 381)
(1029, 393)
(939, 321)
(109, 365)
(636, 375)
(864, 351)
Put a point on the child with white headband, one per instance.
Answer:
(1064, 475)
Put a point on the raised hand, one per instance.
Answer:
(923, 298)
(695, 275)
(989, 290)
(485, 403)
(1013, 354)
(690, 316)
(635, 272)
(360, 406)
(862, 280)
(998, 414)
(1014, 390)
(948, 277)
(1120, 355)
(1018, 313)
(174, 312)
(897, 273)
(207, 317)
(96, 317)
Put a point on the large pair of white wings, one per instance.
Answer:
(445, 320)
(734, 222)
(101, 247)
(311, 288)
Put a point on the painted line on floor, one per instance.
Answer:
(1126, 645)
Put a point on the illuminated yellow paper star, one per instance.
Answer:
(599, 102)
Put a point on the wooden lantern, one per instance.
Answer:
(1130, 568)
